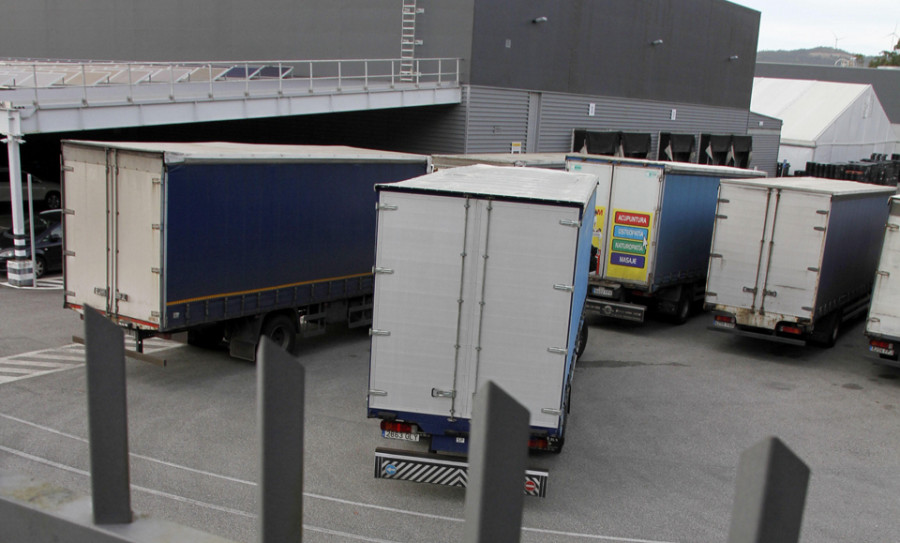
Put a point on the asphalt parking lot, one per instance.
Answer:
(660, 416)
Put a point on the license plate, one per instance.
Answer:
(602, 291)
(721, 324)
(399, 435)
(879, 350)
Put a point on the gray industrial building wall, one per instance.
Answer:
(594, 47)
(605, 47)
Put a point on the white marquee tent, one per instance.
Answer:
(823, 121)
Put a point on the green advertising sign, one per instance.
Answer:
(629, 246)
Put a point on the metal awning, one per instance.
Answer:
(72, 96)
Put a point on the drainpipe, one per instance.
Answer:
(19, 271)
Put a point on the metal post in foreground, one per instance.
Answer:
(498, 451)
(107, 419)
(769, 495)
(18, 270)
(280, 394)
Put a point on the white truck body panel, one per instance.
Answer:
(114, 257)
(884, 313)
(790, 249)
(492, 273)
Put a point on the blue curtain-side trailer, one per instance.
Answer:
(225, 241)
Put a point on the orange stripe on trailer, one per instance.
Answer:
(245, 292)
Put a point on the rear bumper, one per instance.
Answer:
(615, 310)
(444, 470)
(759, 335)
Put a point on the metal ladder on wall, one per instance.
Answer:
(408, 40)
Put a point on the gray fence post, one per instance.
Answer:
(280, 394)
(498, 451)
(107, 419)
(769, 496)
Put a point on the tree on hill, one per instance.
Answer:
(887, 58)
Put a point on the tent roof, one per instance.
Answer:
(806, 107)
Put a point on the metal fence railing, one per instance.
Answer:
(45, 84)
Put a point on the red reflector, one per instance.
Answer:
(790, 329)
(882, 344)
(537, 443)
(724, 318)
(401, 427)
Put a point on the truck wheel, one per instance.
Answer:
(281, 330)
(832, 329)
(581, 341)
(683, 310)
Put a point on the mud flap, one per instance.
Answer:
(438, 469)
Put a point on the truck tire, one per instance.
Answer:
(581, 340)
(831, 329)
(282, 331)
(683, 309)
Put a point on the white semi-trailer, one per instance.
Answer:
(481, 274)
(792, 258)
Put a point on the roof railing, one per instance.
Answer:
(50, 84)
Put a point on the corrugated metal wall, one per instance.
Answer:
(766, 132)
(494, 119)
(497, 117)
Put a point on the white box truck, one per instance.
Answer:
(652, 230)
(794, 257)
(883, 323)
(480, 274)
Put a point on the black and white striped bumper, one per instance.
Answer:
(441, 470)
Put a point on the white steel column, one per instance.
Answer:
(19, 271)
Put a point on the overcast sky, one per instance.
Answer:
(859, 26)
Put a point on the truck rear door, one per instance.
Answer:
(456, 306)
(884, 313)
(421, 270)
(524, 301)
(632, 214)
(85, 237)
(136, 262)
(604, 173)
(114, 232)
(789, 282)
(766, 249)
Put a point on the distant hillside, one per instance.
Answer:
(821, 56)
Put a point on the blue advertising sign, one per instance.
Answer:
(633, 261)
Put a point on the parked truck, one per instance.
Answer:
(552, 161)
(481, 274)
(883, 323)
(652, 230)
(792, 258)
(224, 241)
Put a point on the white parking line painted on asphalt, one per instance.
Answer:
(573, 535)
(62, 358)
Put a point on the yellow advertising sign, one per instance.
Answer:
(629, 245)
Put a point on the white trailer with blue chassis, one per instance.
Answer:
(480, 274)
(652, 231)
(883, 322)
(792, 258)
